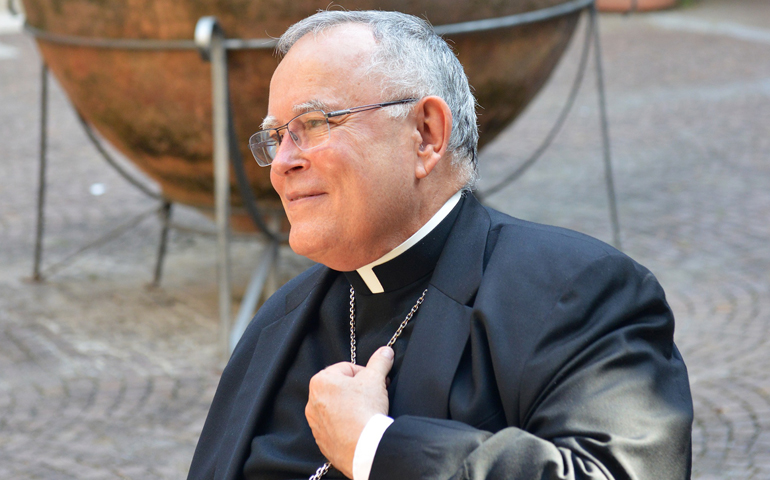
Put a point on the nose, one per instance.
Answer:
(288, 159)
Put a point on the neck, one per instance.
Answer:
(367, 272)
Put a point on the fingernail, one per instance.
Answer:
(387, 352)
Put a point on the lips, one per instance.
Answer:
(296, 196)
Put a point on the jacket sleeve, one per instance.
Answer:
(219, 421)
(596, 389)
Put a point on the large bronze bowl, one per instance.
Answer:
(155, 106)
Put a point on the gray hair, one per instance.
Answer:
(412, 61)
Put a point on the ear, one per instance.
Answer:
(434, 126)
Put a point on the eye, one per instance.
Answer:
(271, 149)
(315, 123)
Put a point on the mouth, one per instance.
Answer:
(297, 196)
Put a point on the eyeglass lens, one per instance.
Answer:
(307, 131)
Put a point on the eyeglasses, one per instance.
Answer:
(307, 131)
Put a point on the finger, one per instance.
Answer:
(382, 361)
(345, 368)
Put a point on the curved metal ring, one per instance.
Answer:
(208, 24)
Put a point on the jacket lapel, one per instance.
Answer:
(442, 325)
(273, 353)
(425, 378)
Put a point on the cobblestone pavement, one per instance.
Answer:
(101, 377)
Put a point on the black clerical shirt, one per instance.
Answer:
(283, 446)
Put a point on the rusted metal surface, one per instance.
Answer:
(155, 106)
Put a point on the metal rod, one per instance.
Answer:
(269, 43)
(549, 138)
(165, 217)
(13, 8)
(244, 187)
(97, 42)
(257, 286)
(514, 20)
(146, 43)
(41, 188)
(212, 233)
(113, 163)
(219, 97)
(608, 175)
(38, 272)
(108, 237)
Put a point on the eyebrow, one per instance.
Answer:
(309, 106)
(269, 122)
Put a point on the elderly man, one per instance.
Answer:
(494, 347)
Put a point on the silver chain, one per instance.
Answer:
(325, 467)
(321, 471)
(352, 325)
(406, 320)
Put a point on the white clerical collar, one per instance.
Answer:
(367, 273)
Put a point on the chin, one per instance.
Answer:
(306, 243)
(313, 246)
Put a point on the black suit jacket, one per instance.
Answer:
(578, 336)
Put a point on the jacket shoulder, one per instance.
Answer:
(548, 246)
(545, 265)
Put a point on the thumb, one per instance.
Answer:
(381, 362)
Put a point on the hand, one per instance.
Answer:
(343, 397)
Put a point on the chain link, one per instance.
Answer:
(406, 320)
(321, 471)
(352, 325)
(325, 467)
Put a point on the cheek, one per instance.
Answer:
(278, 185)
(276, 180)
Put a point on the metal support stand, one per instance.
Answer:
(38, 272)
(213, 47)
(36, 276)
(165, 217)
(209, 35)
(592, 37)
(609, 177)
(210, 41)
(263, 283)
(260, 279)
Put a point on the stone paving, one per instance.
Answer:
(101, 377)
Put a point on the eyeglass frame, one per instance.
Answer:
(327, 116)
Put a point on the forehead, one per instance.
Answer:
(326, 69)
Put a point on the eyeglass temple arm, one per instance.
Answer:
(364, 108)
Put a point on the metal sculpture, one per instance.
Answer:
(131, 71)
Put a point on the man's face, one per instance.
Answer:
(350, 200)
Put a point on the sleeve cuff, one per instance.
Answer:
(367, 445)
